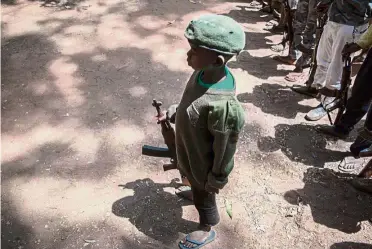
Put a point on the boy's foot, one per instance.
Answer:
(277, 47)
(185, 192)
(349, 164)
(331, 131)
(197, 239)
(285, 59)
(294, 76)
(316, 114)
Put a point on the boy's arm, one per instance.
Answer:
(225, 121)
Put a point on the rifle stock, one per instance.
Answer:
(345, 85)
(321, 21)
(342, 94)
(153, 151)
(290, 34)
(169, 139)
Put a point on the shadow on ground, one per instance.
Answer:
(153, 211)
(351, 245)
(333, 202)
(301, 143)
(275, 99)
(258, 66)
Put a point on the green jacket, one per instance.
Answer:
(208, 122)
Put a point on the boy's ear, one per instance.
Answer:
(220, 61)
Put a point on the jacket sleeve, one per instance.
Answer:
(171, 113)
(365, 41)
(225, 121)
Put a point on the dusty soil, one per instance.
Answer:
(77, 87)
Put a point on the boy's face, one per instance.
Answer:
(200, 58)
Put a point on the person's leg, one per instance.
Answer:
(308, 37)
(323, 58)
(324, 54)
(364, 139)
(342, 34)
(361, 97)
(357, 105)
(206, 205)
(299, 24)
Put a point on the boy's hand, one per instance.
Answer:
(350, 48)
(211, 189)
(162, 117)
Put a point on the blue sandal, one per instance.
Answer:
(211, 237)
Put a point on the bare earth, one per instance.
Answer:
(77, 87)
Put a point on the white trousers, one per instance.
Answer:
(329, 59)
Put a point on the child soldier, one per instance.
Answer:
(208, 118)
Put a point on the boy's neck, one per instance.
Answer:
(214, 75)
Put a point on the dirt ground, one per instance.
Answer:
(77, 86)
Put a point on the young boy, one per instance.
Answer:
(209, 118)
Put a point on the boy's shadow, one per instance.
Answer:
(154, 212)
(333, 202)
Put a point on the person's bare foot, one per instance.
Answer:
(199, 237)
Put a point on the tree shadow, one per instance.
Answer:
(333, 202)
(153, 211)
(351, 245)
(258, 66)
(275, 99)
(301, 143)
(8, 2)
(245, 14)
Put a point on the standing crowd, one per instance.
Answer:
(330, 36)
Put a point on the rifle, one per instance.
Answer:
(169, 138)
(321, 21)
(340, 100)
(289, 32)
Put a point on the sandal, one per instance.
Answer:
(293, 77)
(349, 164)
(277, 47)
(184, 192)
(198, 244)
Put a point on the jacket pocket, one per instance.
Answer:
(193, 114)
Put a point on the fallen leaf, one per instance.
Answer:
(228, 205)
(89, 240)
(171, 22)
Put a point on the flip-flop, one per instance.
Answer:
(184, 192)
(211, 237)
(293, 77)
